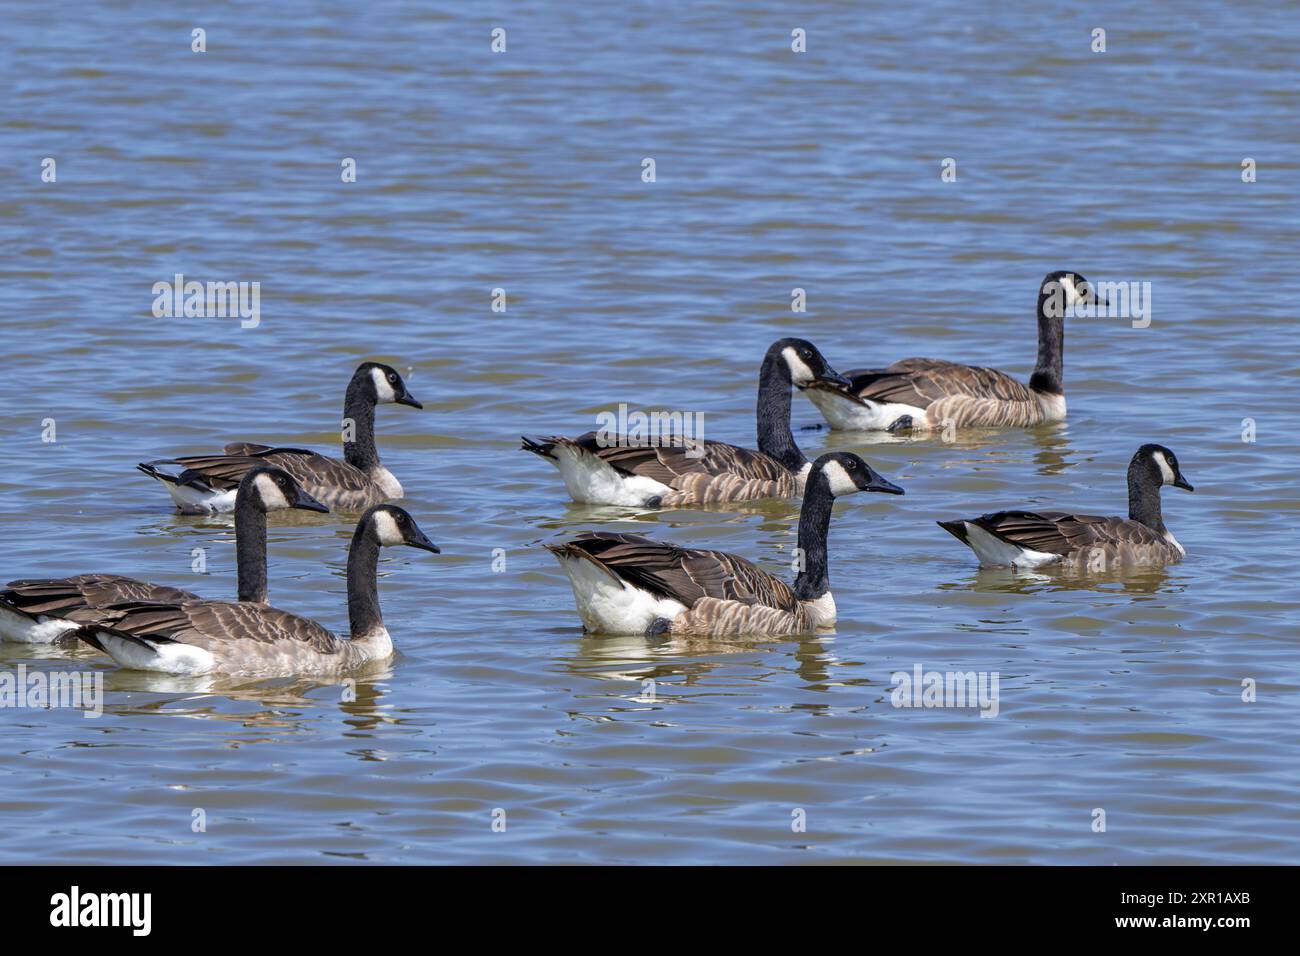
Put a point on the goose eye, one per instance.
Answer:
(392, 378)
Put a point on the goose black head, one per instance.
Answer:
(1063, 290)
(1161, 464)
(391, 525)
(273, 489)
(847, 474)
(805, 363)
(384, 385)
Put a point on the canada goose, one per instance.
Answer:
(39, 611)
(207, 483)
(925, 394)
(603, 469)
(627, 584)
(1027, 539)
(204, 637)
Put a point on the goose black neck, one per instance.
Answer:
(1049, 369)
(363, 583)
(359, 426)
(1144, 484)
(774, 436)
(250, 550)
(814, 526)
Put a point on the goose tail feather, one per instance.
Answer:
(955, 528)
(574, 549)
(93, 635)
(150, 469)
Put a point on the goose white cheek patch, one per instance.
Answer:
(383, 390)
(1071, 290)
(387, 529)
(840, 482)
(1166, 473)
(272, 497)
(800, 373)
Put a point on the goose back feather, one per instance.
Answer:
(42, 610)
(681, 574)
(337, 484)
(669, 476)
(195, 636)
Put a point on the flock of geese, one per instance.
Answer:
(622, 583)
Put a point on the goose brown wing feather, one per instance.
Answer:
(684, 574)
(1060, 532)
(879, 385)
(310, 469)
(221, 472)
(246, 448)
(214, 624)
(318, 471)
(921, 381)
(77, 598)
(668, 463)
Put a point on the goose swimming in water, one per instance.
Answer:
(206, 483)
(627, 584)
(39, 611)
(207, 637)
(601, 469)
(1028, 539)
(924, 394)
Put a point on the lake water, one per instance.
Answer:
(775, 170)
